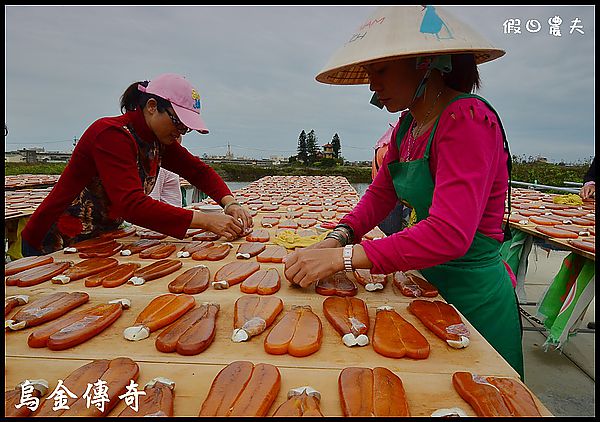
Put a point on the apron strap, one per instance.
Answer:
(405, 123)
(507, 232)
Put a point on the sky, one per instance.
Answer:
(255, 68)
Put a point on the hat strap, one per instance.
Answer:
(421, 88)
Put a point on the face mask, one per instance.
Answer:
(375, 101)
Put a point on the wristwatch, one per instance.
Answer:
(348, 249)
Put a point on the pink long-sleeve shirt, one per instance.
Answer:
(468, 165)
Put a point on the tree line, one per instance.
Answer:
(309, 150)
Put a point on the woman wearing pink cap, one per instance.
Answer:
(114, 167)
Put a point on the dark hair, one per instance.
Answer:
(133, 98)
(464, 76)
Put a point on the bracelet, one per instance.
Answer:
(230, 204)
(339, 236)
(349, 231)
(345, 234)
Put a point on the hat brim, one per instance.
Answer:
(190, 118)
(401, 32)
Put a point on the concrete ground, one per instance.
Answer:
(563, 381)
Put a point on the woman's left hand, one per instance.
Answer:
(587, 191)
(239, 212)
(305, 266)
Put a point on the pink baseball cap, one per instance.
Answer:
(184, 98)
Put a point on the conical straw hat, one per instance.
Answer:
(393, 32)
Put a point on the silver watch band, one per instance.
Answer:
(347, 254)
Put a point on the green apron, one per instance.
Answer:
(478, 283)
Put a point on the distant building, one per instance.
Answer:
(278, 159)
(229, 154)
(14, 157)
(252, 161)
(328, 151)
(358, 163)
(36, 155)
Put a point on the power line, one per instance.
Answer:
(353, 147)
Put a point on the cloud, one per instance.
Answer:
(255, 66)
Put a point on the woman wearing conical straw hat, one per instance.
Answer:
(448, 160)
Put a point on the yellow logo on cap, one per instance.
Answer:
(196, 98)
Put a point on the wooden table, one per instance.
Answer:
(427, 382)
(561, 243)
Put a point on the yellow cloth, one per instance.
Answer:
(291, 240)
(569, 199)
(14, 240)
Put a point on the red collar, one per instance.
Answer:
(140, 126)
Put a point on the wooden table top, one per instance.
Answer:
(427, 381)
(194, 374)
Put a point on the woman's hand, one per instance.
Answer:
(587, 191)
(239, 212)
(326, 243)
(224, 225)
(305, 266)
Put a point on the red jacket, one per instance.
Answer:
(109, 154)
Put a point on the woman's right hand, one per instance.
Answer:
(224, 225)
(327, 243)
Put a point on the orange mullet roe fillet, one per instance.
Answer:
(39, 274)
(253, 314)
(75, 328)
(263, 282)
(242, 389)
(411, 285)
(84, 269)
(349, 316)
(192, 281)
(112, 277)
(192, 333)
(12, 398)
(233, 273)
(46, 309)
(160, 251)
(494, 396)
(26, 263)
(301, 401)
(155, 270)
(371, 392)
(117, 373)
(158, 400)
(160, 312)
(337, 284)
(395, 337)
(249, 249)
(371, 282)
(299, 333)
(443, 320)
